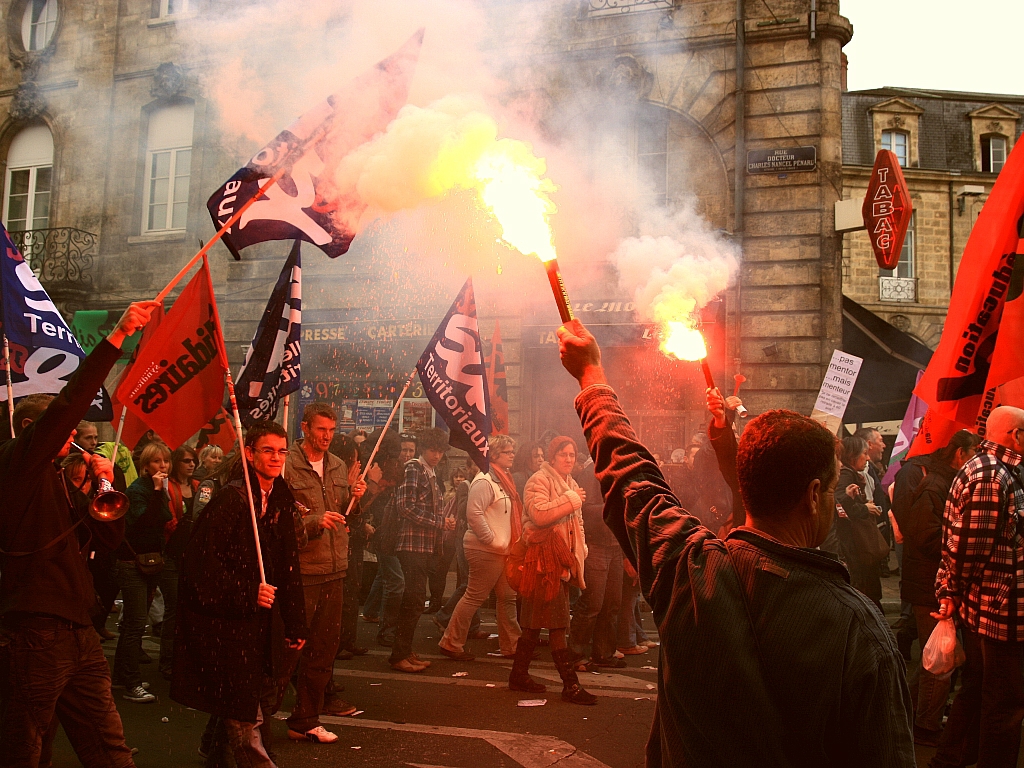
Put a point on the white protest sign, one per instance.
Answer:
(834, 395)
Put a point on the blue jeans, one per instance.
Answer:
(135, 589)
(594, 622)
(390, 571)
(631, 631)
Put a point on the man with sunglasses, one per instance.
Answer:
(981, 580)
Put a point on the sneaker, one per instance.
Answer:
(318, 735)
(650, 643)
(407, 665)
(636, 650)
(139, 695)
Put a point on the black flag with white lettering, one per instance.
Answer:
(272, 364)
(309, 203)
(452, 371)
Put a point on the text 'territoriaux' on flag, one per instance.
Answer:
(452, 371)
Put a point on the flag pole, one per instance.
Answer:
(284, 413)
(238, 426)
(120, 429)
(10, 385)
(380, 439)
(245, 469)
(220, 233)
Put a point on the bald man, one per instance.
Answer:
(982, 579)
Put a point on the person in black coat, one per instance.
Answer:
(856, 508)
(922, 552)
(226, 650)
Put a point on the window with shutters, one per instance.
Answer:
(168, 167)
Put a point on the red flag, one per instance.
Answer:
(219, 431)
(980, 346)
(497, 385)
(134, 427)
(177, 383)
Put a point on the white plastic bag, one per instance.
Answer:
(942, 653)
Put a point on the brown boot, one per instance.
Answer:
(519, 679)
(572, 691)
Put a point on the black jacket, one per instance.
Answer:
(224, 643)
(922, 536)
(769, 657)
(34, 511)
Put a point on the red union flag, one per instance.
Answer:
(177, 383)
(980, 349)
(134, 427)
(497, 385)
(887, 209)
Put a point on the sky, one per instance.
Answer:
(937, 44)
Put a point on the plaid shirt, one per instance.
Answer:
(418, 501)
(982, 545)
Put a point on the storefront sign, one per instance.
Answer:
(887, 209)
(786, 160)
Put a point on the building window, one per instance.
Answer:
(166, 8)
(38, 24)
(896, 142)
(29, 181)
(993, 153)
(168, 163)
(652, 153)
(905, 267)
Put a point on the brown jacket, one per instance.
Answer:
(551, 501)
(325, 557)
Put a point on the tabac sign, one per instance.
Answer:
(887, 209)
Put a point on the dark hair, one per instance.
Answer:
(406, 437)
(963, 440)
(853, 447)
(262, 429)
(182, 452)
(779, 455)
(313, 410)
(30, 407)
(345, 448)
(865, 433)
(431, 438)
(524, 456)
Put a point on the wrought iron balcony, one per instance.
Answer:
(61, 258)
(615, 7)
(901, 289)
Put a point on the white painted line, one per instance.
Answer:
(528, 750)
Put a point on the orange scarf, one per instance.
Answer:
(508, 485)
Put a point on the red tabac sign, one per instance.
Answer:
(887, 209)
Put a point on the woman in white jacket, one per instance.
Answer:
(494, 515)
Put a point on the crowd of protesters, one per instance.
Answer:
(760, 549)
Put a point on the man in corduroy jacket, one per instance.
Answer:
(768, 655)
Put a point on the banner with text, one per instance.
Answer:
(834, 395)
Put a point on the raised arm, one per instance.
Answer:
(640, 508)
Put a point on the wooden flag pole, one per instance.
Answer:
(245, 470)
(380, 439)
(284, 413)
(220, 233)
(120, 429)
(10, 385)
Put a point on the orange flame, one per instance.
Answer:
(683, 341)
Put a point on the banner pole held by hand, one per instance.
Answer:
(10, 385)
(120, 429)
(380, 439)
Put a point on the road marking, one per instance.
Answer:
(438, 680)
(527, 750)
(507, 663)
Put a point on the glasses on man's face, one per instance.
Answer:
(269, 452)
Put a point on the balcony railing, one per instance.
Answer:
(900, 289)
(615, 7)
(61, 257)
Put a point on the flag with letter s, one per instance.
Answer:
(306, 203)
(272, 365)
(176, 383)
(43, 350)
(452, 371)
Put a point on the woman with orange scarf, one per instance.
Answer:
(555, 550)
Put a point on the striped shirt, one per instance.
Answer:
(982, 544)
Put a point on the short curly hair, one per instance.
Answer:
(780, 454)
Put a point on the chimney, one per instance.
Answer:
(844, 63)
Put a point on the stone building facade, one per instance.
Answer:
(135, 151)
(952, 146)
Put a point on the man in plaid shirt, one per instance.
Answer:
(418, 502)
(982, 580)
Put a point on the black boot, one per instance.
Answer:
(520, 679)
(572, 691)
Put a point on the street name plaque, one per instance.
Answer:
(787, 160)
